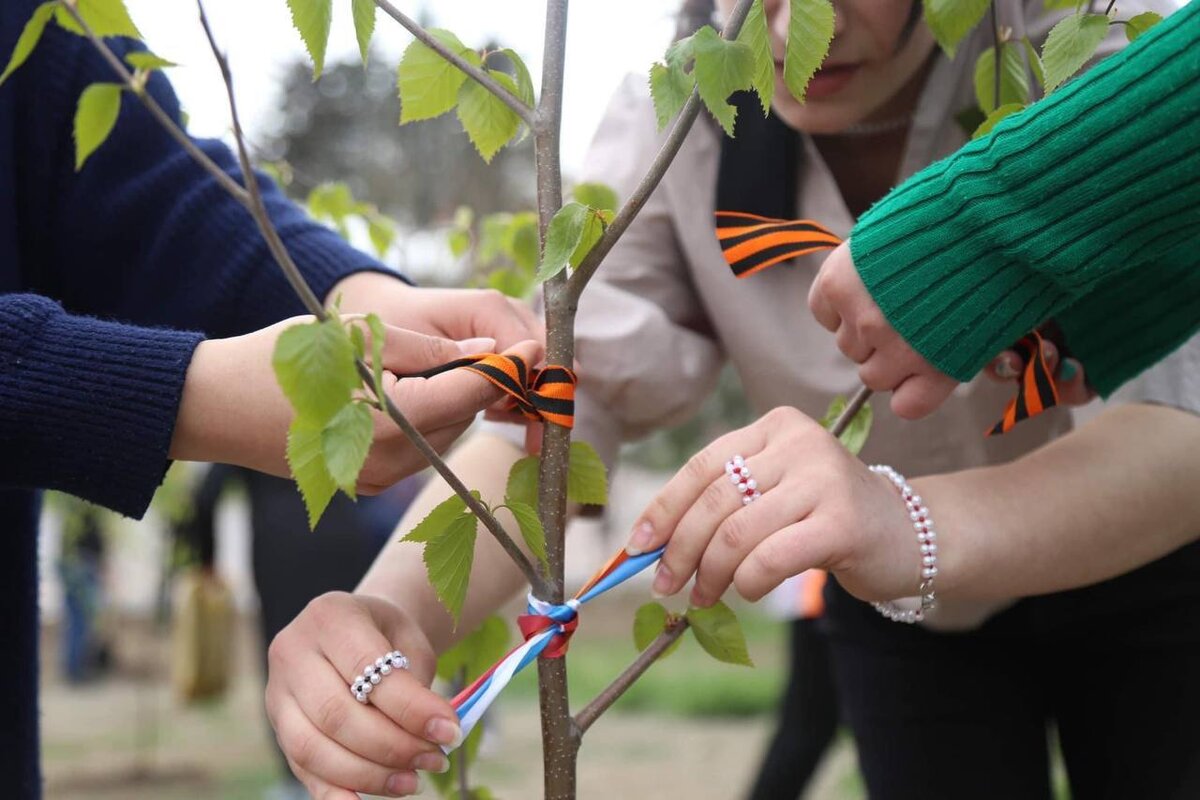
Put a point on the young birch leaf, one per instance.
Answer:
(314, 364)
(855, 435)
(95, 117)
(448, 558)
(30, 36)
(719, 633)
(563, 236)
(104, 17)
(521, 242)
(648, 622)
(488, 122)
(523, 82)
(994, 118)
(382, 232)
(670, 88)
(306, 459)
(756, 35)
(364, 25)
(951, 20)
(1141, 23)
(438, 520)
(810, 30)
(531, 528)
(587, 479)
(144, 59)
(312, 19)
(594, 225)
(345, 442)
(378, 337)
(596, 195)
(476, 651)
(428, 83)
(1069, 46)
(523, 482)
(722, 68)
(1014, 82)
(1035, 61)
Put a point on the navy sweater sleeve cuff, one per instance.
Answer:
(88, 406)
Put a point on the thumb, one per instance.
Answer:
(406, 351)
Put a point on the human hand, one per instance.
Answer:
(1069, 376)
(335, 745)
(819, 507)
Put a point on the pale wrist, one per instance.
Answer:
(195, 437)
(359, 290)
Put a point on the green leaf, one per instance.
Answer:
(1035, 61)
(587, 479)
(306, 459)
(508, 282)
(596, 195)
(459, 241)
(1060, 5)
(563, 236)
(810, 30)
(476, 651)
(855, 435)
(438, 520)
(364, 25)
(448, 558)
(758, 38)
(1069, 46)
(722, 68)
(951, 20)
(382, 232)
(31, 34)
(521, 241)
(332, 202)
(1134, 28)
(104, 17)
(95, 118)
(720, 634)
(670, 88)
(531, 527)
(312, 19)
(648, 622)
(1014, 82)
(345, 442)
(428, 83)
(144, 59)
(594, 225)
(523, 482)
(488, 122)
(523, 82)
(994, 118)
(378, 338)
(314, 364)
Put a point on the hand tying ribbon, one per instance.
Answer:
(546, 394)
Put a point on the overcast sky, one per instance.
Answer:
(606, 40)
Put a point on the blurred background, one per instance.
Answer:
(154, 632)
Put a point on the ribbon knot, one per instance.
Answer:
(544, 395)
(541, 616)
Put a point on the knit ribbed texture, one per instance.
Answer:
(1085, 208)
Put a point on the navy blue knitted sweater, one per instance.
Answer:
(108, 279)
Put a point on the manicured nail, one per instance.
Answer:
(403, 783)
(431, 762)
(443, 731)
(642, 536)
(662, 581)
(1068, 369)
(1004, 367)
(482, 344)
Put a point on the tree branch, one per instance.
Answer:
(478, 75)
(666, 154)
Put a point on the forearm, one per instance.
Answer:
(1110, 497)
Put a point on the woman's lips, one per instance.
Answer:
(829, 79)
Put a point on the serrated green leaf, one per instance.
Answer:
(563, 236)
(306, 459)
(720, 634)
(531, 527)
(522, 80)
(476, 651)
(670, 88)
(364, 25)
(1035, 61)
(314, 365)
(594, 225)
(429, 84)
(523, 482)
(810, 30)
(438, 520)
(448, 558)
(854, 437)
(146, 60)
(95, 117)
(488, 122)
(951, 20)
(1137, 25)
(1014, 82)
(1069, 46)
(378, 338)
(345, 442)
(312, 19)
(994, 118)
(587, 479)
(595, 195)
(648, 622)
(333, 203)
(721, 68)
(104, 17)
(31, 34)
(758, 38)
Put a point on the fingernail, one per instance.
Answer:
(1004, 367)
(662, 581)
(431, 762)
(643, 535)
(1068, 369)
(403, 783)
(481, 344)
(443, 731)
(697, 598)
(1049, 351)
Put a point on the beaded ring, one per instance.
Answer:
(739, 476)
(370, 677)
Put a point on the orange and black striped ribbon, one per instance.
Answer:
(546, 394)
(1036, 390)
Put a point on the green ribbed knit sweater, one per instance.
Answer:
(1084, 208)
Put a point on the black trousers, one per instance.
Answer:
(808, 718)
(1115, 668)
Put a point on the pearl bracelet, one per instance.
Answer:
(926, 537)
